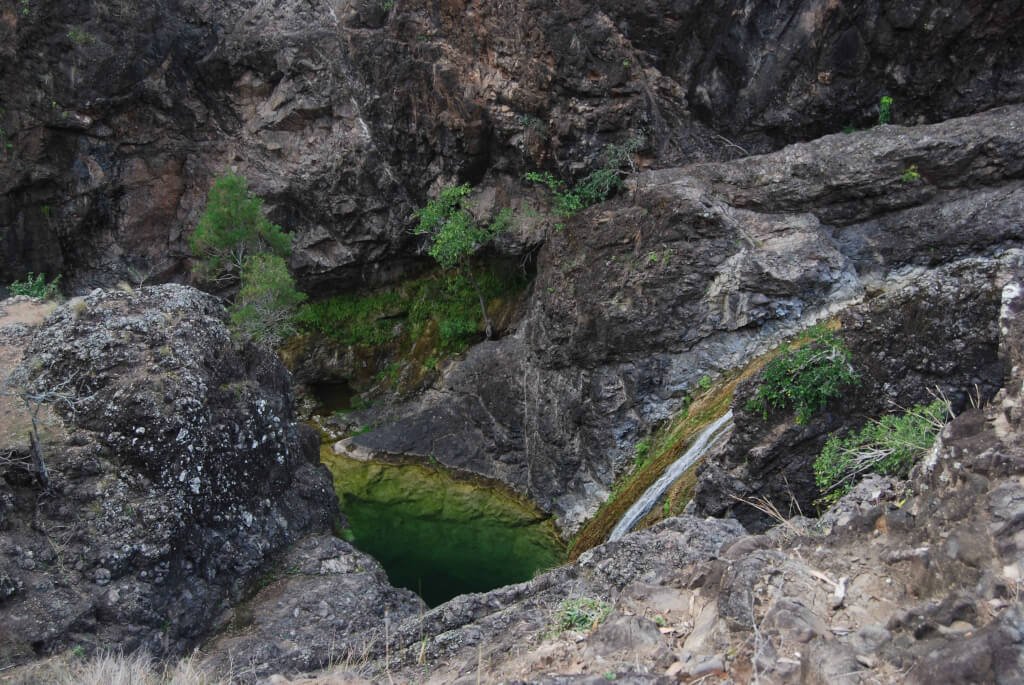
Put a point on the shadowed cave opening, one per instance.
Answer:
(332, 396)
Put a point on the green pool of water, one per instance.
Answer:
(437, 535)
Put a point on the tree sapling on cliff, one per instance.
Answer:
(232, 228)
(234, 241)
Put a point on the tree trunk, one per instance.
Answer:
(37, 459)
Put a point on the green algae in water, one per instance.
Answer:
(439, 536)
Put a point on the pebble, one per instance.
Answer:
(712, 665)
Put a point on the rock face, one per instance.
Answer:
(343, 114)
(702, 267)
(907, 348)
(182, 476)
(915, 581)
(329, 604)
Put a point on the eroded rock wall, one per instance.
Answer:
(915, 581)
(699, 268)
(116, 115)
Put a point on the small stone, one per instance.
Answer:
(865, 661)
(714, 664)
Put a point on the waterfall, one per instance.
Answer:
(707, 439)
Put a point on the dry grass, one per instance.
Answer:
(109, 669)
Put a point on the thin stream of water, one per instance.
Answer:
(707, 439)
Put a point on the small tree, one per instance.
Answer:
(232, 228)
(264, 309)
(454, 235)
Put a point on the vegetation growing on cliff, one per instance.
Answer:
(454, 236)
(806, 378)
(582, 614)
(231, 229)
(36, 285)
(234, 241)
(448, 302)
(595, 187)
(888, 446)
(264, 309)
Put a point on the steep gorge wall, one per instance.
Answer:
(700, 268)
(117, 114)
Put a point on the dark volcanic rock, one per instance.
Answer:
(938, 334)
(183, 477)
(916, 581)
(702, 267)
(343, 115)
(329, 606)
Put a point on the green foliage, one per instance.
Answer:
(80, 36)
(454, 234)
(595, 187)
(583, 614)
(888, 446)
(641, 451)
(704, 383)
(35, 285)
(885, 110)
(264, 309)
(911, 174)
(353, 319)
(232, 228)
(449, 301)
(805, 378)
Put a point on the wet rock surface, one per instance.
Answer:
(176, 474)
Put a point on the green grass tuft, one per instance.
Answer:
(582, 615)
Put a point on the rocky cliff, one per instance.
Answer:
(116, 115)
(700, 268)
(173, 497)
(915, 581)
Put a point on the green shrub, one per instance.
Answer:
(595, 187)
(231, 229)
(35, 285)
(583, 614)
(453, 233)
(911, 174)
(454, 236)
(805, 378)
(885, 110)
(888, 446)
(264, 309)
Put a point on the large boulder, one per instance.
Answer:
(177, 477)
